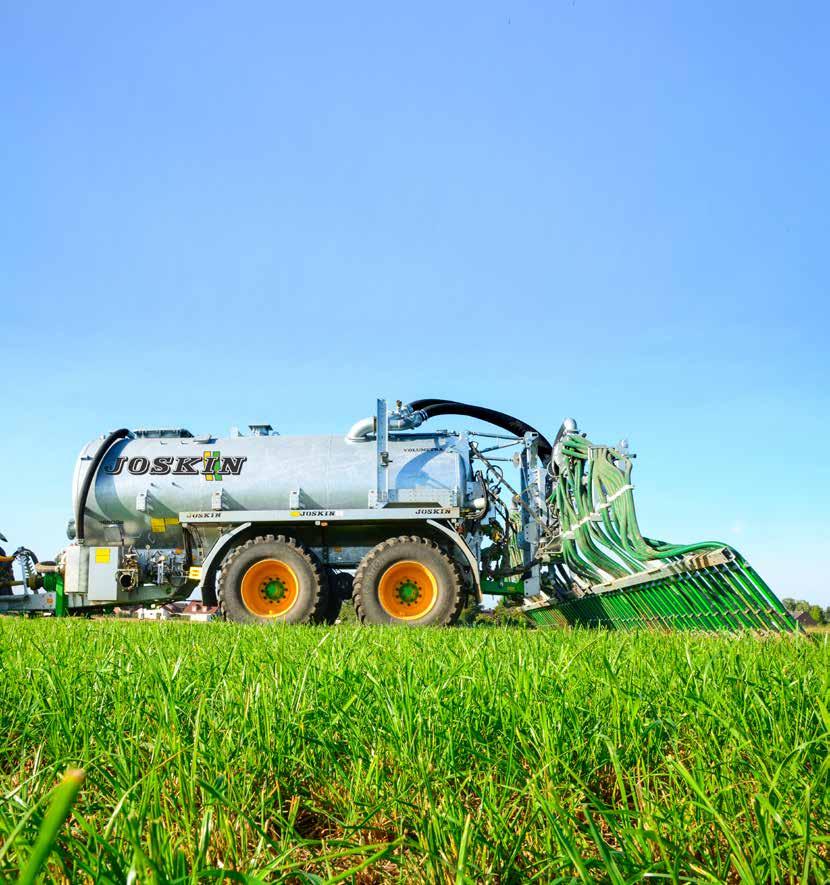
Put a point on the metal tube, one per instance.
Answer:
(362, 429)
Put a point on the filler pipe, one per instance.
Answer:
(106, 445)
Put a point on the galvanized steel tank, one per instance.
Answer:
(145, 482)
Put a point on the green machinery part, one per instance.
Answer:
(606, 573)
(53, 583)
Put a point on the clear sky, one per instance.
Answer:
(214, 215)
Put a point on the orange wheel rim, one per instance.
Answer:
(269, 588)
(407, 590)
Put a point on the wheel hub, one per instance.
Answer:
(408, 592)
(274, 590)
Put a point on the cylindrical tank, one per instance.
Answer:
(148, 479)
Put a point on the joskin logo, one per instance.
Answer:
(212, 466)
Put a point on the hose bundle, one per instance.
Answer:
(610, 574)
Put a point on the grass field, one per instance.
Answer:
(348, 754)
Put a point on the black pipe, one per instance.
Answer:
(433, 407)
(80, 509)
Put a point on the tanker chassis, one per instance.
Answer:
(409, 524)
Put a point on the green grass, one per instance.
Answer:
(308, 754)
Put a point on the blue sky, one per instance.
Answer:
(217, 215)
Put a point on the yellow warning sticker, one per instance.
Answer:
(156, 525)
(195, 573)
(102, 554)
(170, 520)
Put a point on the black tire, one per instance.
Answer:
(6, 576)
(339, 590)
(450, 593)
(312, 596)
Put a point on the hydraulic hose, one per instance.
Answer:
(80, 509)
(433, 407)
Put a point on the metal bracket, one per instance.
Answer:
(296, 499)
(465, 550)
(381, 497)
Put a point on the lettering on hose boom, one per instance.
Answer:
(211, 465)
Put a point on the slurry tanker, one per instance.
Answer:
(409, 523)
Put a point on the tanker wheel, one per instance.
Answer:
(271, 580)
(409, 581)
(6, 575)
